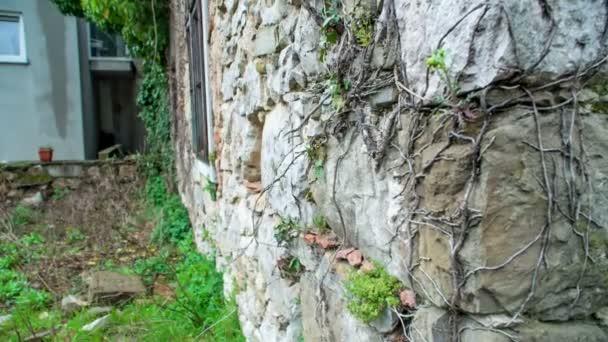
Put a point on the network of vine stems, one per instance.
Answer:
(378, 138)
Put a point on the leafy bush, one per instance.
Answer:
(151, 267)
(371, 292)
(290, 267)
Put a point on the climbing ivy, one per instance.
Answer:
(152, 100)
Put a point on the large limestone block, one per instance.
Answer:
(284, 163)
(487, 40)
(511, 198)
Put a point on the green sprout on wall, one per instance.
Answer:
(437, 61)
(337, 89)
(330, 35)
(371, 292)
(212, 157)
(315, 152)
(290, 267)
(211, 188)
(320, 223)
(363, 27)
(286, 231)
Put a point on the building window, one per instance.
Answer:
(199, 92)
(12, 38)
(106, 45)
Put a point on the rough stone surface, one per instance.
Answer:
(34, 200)
(385, 97)
(97, 324)
(266, 41)
(105, 286)
(264, 63)
(99, 310)
(71, 303)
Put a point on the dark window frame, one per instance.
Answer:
(198, 92)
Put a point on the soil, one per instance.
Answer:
(87, 224)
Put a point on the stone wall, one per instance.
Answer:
(481, 186)
(33, 183)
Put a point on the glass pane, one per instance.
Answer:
(10, 43)
(106, 44)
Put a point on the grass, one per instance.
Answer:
(199, 312)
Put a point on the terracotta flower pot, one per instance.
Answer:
(45, 154)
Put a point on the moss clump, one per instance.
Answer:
(33, 179)
(371, 292)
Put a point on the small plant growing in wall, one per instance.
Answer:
(286, 231)
(320, 223)
(290, 267)
(60, 193)
(363, 27)
(337, 89)
(369, 293)
(437, 62)
(212, 157)
(211, 188)
(330, 35)
(315, 152)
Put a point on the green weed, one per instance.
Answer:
(290, 267)
(315, 152)
(363, 27)
(211, 188)
(330, 35)
(22, 216)
(60, 193)
(174, 223)
(371, 292)
(74, 235)
(437, 61)
(286, 230)
(320, 223)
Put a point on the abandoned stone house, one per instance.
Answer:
(477, 178)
